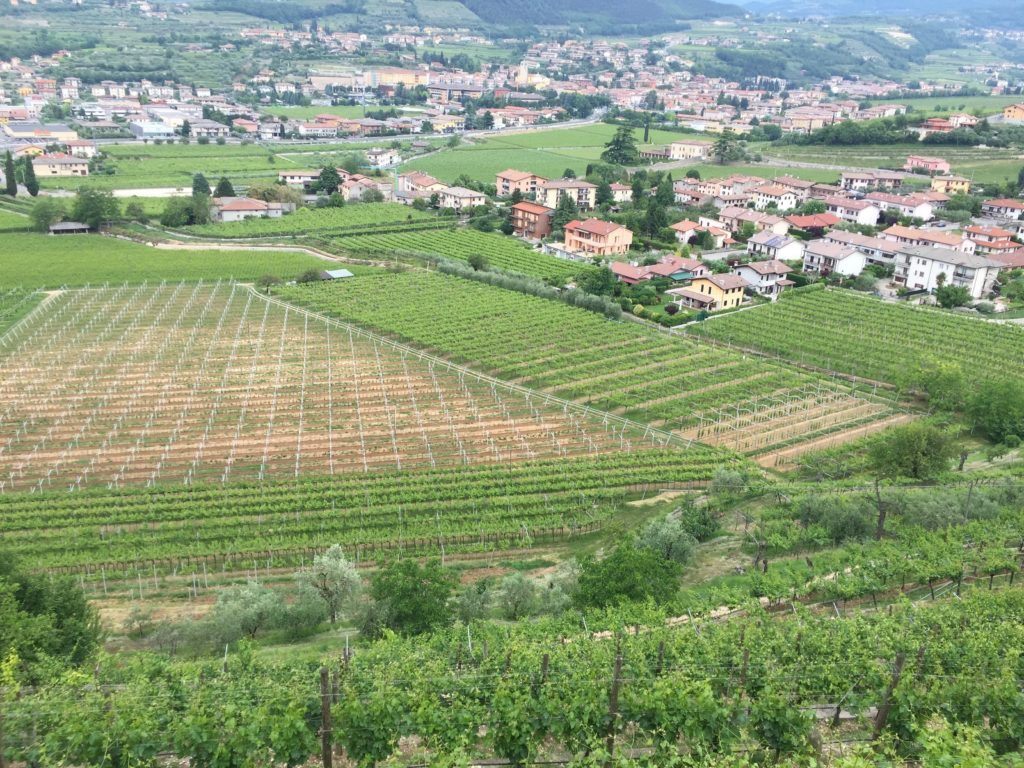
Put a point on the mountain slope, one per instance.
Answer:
(641, 13)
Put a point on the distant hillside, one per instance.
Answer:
(606, 15)
(983, 10)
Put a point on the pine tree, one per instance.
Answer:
(604, 195)
(565, 212)
(12, 181)
(224, 188)
(31, 182)
(621, 149)
(200, 186)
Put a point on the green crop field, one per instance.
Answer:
(310, 221)
(694, 389)
(13, 222)
(980, 164)
(842, 331)
(936, 106)
(49, 261)
(15, 303)
(505, 253)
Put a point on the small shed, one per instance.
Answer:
(69, 228)
(335, 274)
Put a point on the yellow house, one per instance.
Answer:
(1014, 112)
(951, 185)
(725, 291)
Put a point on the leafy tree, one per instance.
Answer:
(414, 597)
(628, 573)
(568, 173)
(200, 186)
(9, 178)
(31, 182)
(177, 212)
(669, 538)
(665, 195)
(186, 128)
(45, 212)
(45, 622)
(224, 188)
(726, 148)
(477, 261)
(693, 173)
(621, 149)
(242, 611)
(309, 276)
(93, 207)
(333, 578)
(604, 194)
(1020, 178)
(943, 381)
(517, 597)
(134, 211)
(600, 282)
(917, 450)
(267, 281)
(655, 220)
(997, 407)
(329, 180)
(950, 296)
(517, 196)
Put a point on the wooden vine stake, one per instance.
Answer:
(325, 711)
(883, 710)
(613, 707)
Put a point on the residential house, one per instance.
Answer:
(532, 220)
(854, 211)
(82, 148)
(1014, 112)
(913, 206)
(461, 198)
(299, 178)
(990, 240)
(813, 222)
(865, 180)
(826, 257)
(354, 187)
(774, 196)
(930, 165)
(383, 157)
(951, 185)
(689, 150)
(1004, 208)
(60, 164)
(228, 209)
(511, 180)
(674, 268)
(799, 187)
(712, 292)
(931, 237)
(923, 267)
(208, 129)
(877, 250)
(597, 237)
(582, 193)
(768, 278)
(775, 247)
(733, 217)
(621, 193)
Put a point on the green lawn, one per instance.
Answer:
(13, 222)
(46, 261)
(981, 165)
(359, 217)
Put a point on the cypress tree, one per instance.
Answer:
(31, 182)
(12, 182)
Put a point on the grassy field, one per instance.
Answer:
(550, 152)
(981, 165)
(936, 106)
(13, 222)
(137, 165)
(306, 221)
(505, 253)
(45, 261)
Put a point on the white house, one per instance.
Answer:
(826, 258)
(772, 246)
(914, 206)
(228, 209)
(855, 211)
(922, 267)
(776, 195)
(383, 158)
(461, 198)
(878, 250)
(768, 278)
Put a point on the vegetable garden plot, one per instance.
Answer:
(193, 382)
